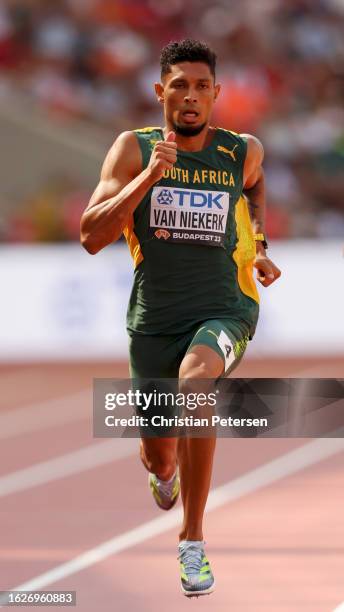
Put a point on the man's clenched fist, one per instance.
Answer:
(267, 270)
(164, 156)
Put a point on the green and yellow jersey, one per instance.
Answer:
(192, 242)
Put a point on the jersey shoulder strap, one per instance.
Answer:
(147, 138)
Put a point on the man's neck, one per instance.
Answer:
(193, 143)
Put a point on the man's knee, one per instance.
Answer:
(159, 460)
(194, 380)
(200, 364)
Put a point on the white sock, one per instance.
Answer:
(198, 543)
(166, 482)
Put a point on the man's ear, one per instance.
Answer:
(217, 89)
(159, 90)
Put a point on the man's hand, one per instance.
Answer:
(267, 271)
(163, 157)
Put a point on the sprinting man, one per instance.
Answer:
(190, 200)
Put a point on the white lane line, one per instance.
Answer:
(290, 463)
(83, 459)
(43, 415)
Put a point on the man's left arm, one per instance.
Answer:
(254, 190)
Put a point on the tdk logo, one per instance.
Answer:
(165, 197)
(192, 199)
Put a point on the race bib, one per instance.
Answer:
(227, 348)
(191, 216)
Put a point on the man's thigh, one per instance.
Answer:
(154, 366)
(226, 337)
(156, 356)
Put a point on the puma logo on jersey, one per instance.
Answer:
(230, 152)
(161, 233)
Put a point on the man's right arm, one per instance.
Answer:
(121, 187)
(123, 184)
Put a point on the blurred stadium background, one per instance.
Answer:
(73, 74)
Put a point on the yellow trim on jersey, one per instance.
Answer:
(228, 131)
(145, 130)
(245, 250)
(133, 242)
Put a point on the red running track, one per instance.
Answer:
(277, 548)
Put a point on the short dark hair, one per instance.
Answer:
(187, 50)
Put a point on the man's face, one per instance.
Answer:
(188, 93)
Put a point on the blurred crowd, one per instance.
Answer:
(280, 62)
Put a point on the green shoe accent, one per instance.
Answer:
(196, 576)
(165, 499)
